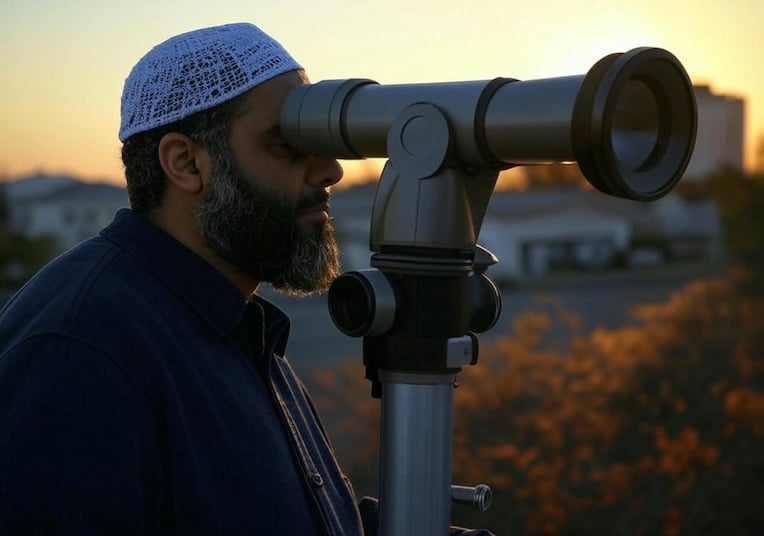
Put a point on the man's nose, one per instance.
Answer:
(326, 172)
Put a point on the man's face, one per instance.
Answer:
(265, 209)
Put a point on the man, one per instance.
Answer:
(143, 388)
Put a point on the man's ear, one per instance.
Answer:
(183, 161)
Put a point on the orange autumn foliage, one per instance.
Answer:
(653, 428)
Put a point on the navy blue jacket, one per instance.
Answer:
(140, 393)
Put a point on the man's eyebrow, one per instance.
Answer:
(273, 131)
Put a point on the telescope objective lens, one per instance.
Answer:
(636, 126)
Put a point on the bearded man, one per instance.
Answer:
(143, 388)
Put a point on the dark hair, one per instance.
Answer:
(140, 152)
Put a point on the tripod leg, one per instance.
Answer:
(416, 451)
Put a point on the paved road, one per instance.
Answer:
(599, 300)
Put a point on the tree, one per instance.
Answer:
(21, 257)
(741, 205)
(5, 209)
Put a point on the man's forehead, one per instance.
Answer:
(265, 100)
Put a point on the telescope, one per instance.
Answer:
(629, 124)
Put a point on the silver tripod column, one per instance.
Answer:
(416, 449)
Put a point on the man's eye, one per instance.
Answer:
(283, 150)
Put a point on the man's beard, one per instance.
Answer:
(256, 230)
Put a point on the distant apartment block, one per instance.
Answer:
(62, 207)
(720, 139)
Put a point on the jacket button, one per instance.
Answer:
(317, 479)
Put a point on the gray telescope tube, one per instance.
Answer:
(629, 123)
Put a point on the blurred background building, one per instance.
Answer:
(62, 208)
(720, 140)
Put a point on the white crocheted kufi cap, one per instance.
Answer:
(198, 70)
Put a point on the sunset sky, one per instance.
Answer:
(63, 63)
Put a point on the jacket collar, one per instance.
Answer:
(202, 287)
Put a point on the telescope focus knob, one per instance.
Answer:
(479, 497)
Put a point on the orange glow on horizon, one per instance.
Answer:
(64, 63)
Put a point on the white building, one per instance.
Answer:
(63, 208)
(534, 245)
(540, 231)
(720, 139)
